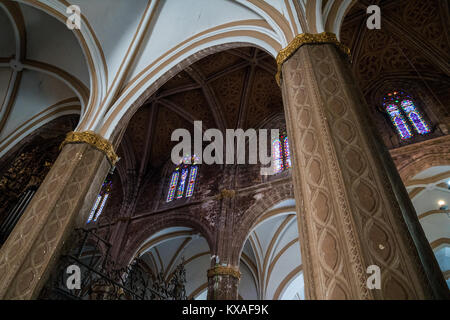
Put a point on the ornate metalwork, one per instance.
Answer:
(101, 280)
(307, 38)
(95, 141)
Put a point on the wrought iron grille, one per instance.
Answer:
(100, 280)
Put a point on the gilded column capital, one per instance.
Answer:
(224, 271)
(94, 140)
(307, 38)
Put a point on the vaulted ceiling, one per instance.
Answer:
(412, 44)
(236, 88)
(231, 89)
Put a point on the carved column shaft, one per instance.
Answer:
(62, 202)
(223, 283)
(349, 218)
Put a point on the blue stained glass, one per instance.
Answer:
(414, 116)
(100, 202)
(182, 184)
(191, 185)
(99, 212)
(94, 208)
(172, 186)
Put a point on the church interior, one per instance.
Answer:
(362, 161)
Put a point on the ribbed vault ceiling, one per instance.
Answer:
(231, 89)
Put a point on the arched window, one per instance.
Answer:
(404, 114)
(183, 179)
(100, 202)
(281, 154)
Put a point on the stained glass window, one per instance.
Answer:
(173, 185)
(192, 177)
(399, 121)
(277, 155)
(287, 153)
(182, 184)
(415, 117)
(100, 202)
(183, 178)
(404, 114)
(281, 154)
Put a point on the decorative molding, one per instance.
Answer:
(224, 271)
(94, 140)
(307, 38)
(438, 242)
(430, 212)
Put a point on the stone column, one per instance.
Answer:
(223, 283)
(62, 202)
(351, 214)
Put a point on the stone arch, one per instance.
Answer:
(408, 171)
(146, 230)
(251, 216)
(150, 80)
(269, 255)
(22, 66)
(90, 47)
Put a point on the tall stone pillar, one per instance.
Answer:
(62, 202)
(350, 213)
(223, 283)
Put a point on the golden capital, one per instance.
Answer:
(96, 141)
(307, 38)
(224, 271)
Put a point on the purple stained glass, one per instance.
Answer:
(400, 106)
(398, 121)
(402, 127)
(414, 116)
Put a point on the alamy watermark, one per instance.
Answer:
(374, 280)
(74, 20)
(235, 146)
(74, 279)
(374, 20)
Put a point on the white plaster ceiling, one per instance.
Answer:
(51, 67)
(426, 189)
(274, 252)
(121, 48)
(170, 246)
(7, 39)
